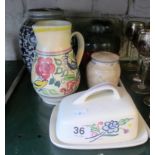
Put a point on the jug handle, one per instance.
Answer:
(81, 46)
(96, 89)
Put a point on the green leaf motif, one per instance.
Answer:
(52, 92)
(59, 70)
(95, 128)
(58, 61)
(69, 77)
(71, 55)
(124, 121)
(65, 72)
(51, 81)
(45, 92)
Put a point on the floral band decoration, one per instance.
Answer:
(101, 129)
(48, 70)
(108, 128)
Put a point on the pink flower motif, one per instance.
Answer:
(44, 67)
(71, 85)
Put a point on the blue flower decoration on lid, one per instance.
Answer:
(110, 127)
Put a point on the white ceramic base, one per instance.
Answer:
(51, 100)
(141, 138)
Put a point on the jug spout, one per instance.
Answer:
(53, 35)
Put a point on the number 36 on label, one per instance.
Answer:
(79, 130)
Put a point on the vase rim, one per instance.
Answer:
(45, 12)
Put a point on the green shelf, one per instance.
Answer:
(27, 127)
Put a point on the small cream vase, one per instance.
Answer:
(103, 67)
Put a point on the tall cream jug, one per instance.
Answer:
(55, 71)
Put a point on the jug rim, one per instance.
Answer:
(51, 25)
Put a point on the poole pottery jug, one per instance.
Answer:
(55, 72)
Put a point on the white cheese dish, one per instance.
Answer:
(103, 114)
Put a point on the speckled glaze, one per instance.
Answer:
(27, 44)
(103, 67)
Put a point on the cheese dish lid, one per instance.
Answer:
(103, 56)
(100, 97)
